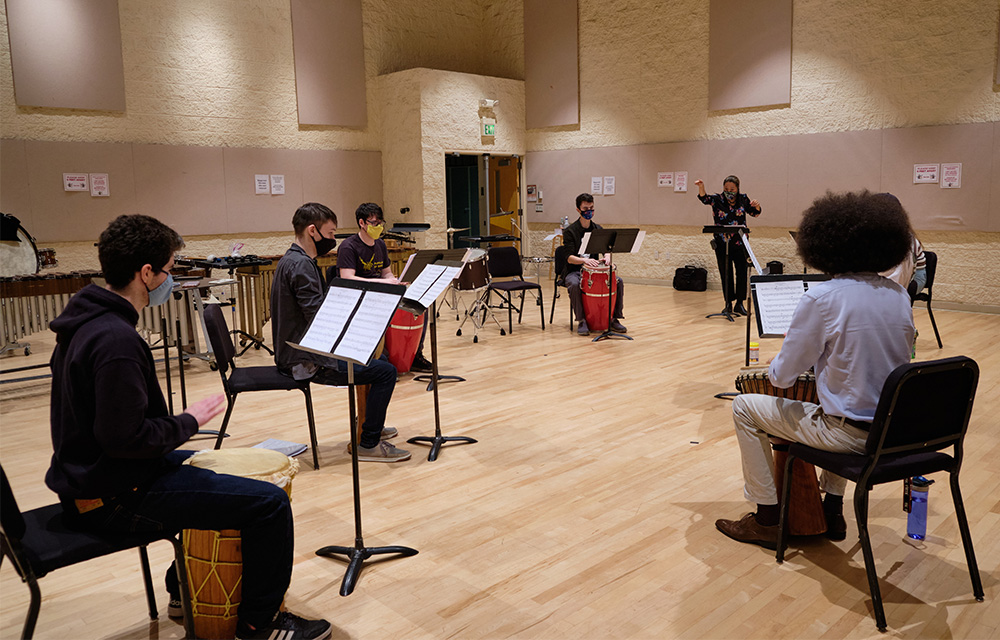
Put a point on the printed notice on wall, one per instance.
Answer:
(532, 193)
(277, 185)
(596, 185)
(609, 185)
(76, 182)
(99, 185)
(680, 181)
(951, 175)
(261, 184)
(926, 173)
(665, 179)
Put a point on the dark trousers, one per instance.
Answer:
(381, 375)
(737, 268)
(572, 281)
(187, 497)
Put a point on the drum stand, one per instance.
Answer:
(608, 333)
(359, 552)
(437, 440)
(480, 306)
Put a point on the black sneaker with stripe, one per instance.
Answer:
(286, 626)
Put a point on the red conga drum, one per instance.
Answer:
(402, 339)
(599, 287)
(805, 507)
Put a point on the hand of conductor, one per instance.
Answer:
(206, 409)
(701, 187)
(755, 204)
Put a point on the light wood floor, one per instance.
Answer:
(586, 510)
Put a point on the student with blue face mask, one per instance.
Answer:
(728, 208)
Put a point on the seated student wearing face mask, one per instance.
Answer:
(115, 463)
(297, 294)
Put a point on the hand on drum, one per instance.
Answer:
(593, 264)
(207, 408)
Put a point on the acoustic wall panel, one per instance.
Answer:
(551, 72)
(342, 180)
(564, 174)
(994, 215)
(59, 215)
(842, 161)
(14, 196)
(329, 55)
(749, 53)
(248, 211)
(185, 187)
(761, 164)
(66, 54)
(662, 205)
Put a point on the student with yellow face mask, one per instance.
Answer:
(364, 256)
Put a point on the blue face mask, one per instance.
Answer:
(161, 294)
(587, 215)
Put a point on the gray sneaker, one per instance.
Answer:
(583, 329)
(389, 432)
(383, 452)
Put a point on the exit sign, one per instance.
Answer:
(489, 127)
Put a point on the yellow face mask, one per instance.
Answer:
(374, 231)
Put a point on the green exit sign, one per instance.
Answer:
(489, 127)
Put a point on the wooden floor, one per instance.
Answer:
(586, 510)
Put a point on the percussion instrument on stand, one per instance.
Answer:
(214, 559)
(29, 302)
(475, 277)
(18, 254)
(805, 508)
(599, 288)
(402, 339)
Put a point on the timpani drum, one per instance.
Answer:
(599, 288)
(805, 507)
(18, 254)
(213, 558)
(402, 339)
(475, 274)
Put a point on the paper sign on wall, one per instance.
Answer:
(99, 186)
(665, 179)
(609, 185)
(926, 173)
(76, 182)
(277, 184)
(680, 181)
(596, 185)
(262, 184)
(951, 175)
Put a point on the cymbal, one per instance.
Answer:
(452, 230)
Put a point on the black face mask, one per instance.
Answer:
(324, 245)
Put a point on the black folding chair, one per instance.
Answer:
(560, 281)
(37, 543)
(260, 378)
(505, 262)
(928, 291)
(924, 408)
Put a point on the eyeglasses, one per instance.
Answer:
(374, 223)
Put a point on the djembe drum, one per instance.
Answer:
(599, 287)
(805, 507)
(213, 558)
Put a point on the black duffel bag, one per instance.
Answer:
(690, 278)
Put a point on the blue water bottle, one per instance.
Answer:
(916, 522)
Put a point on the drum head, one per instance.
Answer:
(475, 255)
(18, 256)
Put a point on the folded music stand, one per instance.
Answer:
(344, 329)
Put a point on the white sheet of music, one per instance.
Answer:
(367, 326)
(753, 258)
(431, 283)
(329, 322)
(776, 302)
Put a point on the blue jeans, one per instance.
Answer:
(186, 497)
(381, 375)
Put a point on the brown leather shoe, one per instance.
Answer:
(747, 529)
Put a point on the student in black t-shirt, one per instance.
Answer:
(364, 256)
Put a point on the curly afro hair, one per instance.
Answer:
(854, 233)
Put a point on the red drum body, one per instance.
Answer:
(403, 338)
(599, 289)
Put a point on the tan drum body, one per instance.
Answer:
(755, 380)
(214, 559)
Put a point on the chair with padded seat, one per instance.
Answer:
(924, 408)
(38, 543)
(257, 378)
(559, 264)
(505, 262)
(928, 291)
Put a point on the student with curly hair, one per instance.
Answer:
(853, 330)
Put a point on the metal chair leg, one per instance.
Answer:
(861, 513)
(225, 421)
(963, 527)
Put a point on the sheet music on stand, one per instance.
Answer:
(417, 261)
(776, 297)
(352, 319)
(753, 258)
(429, 286)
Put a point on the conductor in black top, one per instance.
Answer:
(731, 207)
(572, 240)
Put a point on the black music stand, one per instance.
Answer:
(357, 554)
(609, 241)
(727, 231)
(416, 264)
